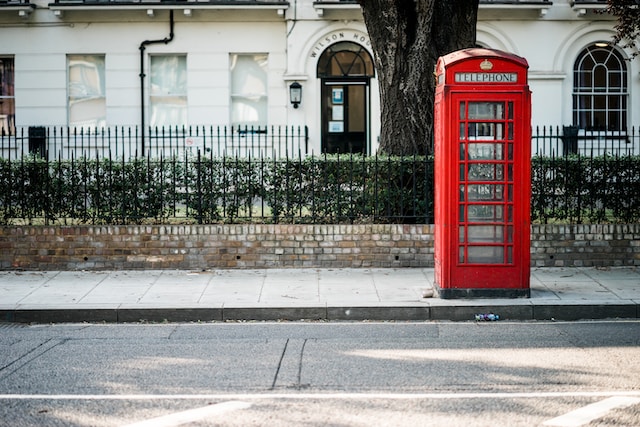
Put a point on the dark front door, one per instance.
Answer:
(345, 115)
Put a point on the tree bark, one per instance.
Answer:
(407, 37)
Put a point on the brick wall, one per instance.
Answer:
(585, 245)
(281, 246)
(215, 246)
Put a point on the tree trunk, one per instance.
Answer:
(407, 37)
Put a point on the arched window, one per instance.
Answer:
(345, 59)
(600, 89)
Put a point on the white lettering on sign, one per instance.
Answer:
(338, 36)
(486, 77)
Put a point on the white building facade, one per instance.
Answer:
(94, 64)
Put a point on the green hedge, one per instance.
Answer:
(586, 190)
(328, 189)
(331, 189)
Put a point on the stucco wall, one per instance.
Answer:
(41, 41)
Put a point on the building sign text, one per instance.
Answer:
(486, 77)
(339, 36)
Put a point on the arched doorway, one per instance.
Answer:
(345, 70)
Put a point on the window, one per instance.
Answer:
(600, 89)
(249, 89)
(7, 98)
(168, 95)
(345, 59)
(87, 106)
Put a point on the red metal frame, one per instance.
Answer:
(483, 178)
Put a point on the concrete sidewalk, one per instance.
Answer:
(309, 294)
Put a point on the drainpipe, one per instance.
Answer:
(143, 46)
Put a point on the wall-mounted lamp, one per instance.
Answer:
(295, 94)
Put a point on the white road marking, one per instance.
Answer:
(324, 396)
(192, 415)
(592, 412)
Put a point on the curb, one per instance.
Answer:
(467, 312)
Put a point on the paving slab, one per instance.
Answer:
(394, 294)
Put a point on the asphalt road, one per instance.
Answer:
(321, 374)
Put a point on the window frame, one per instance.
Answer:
(7, 92)
(600, 90)
(259, 98)
(98, 96)
(156, 97)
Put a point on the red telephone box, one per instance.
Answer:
(482, 132)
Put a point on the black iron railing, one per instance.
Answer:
(116, 142)
(14, 2)
(256, 142)
(314, 190)
(569, 140)
(248, 3)
(515, 2)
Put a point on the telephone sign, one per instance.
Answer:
(486, 77)
(482, 164)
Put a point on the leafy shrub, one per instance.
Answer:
(327, 189)
(578, 189)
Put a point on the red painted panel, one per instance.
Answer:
(482, 168)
